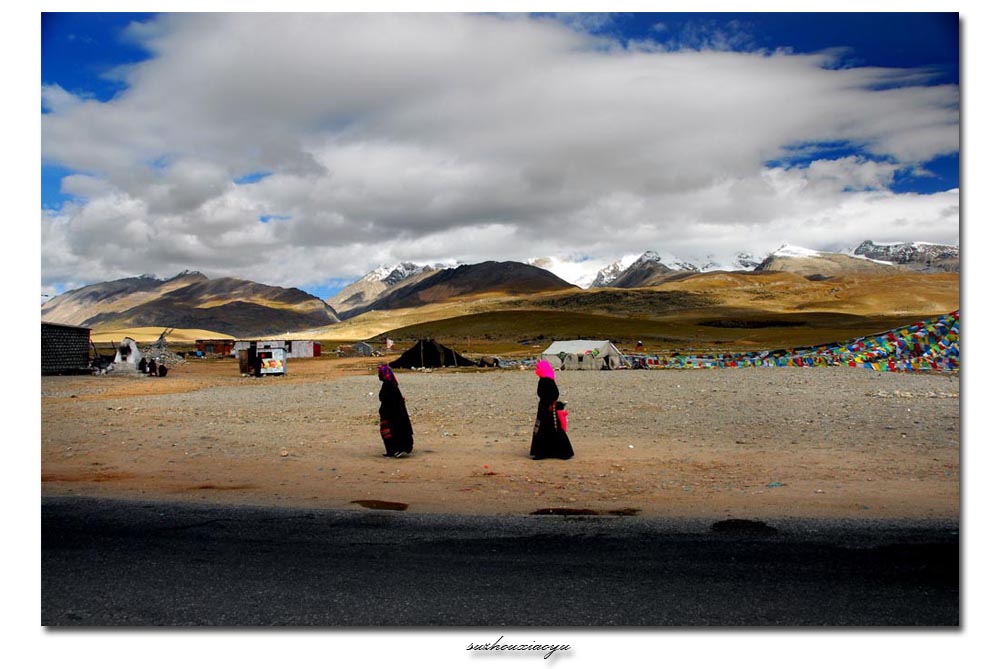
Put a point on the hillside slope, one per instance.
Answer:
(76, 307)
(238, 307)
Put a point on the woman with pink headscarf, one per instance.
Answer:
(549, 439)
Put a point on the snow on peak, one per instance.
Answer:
(649, 256)
(379, 273)
(392, 274)
(737, 262)
(607, 274)
(789, 251)
(670, 261)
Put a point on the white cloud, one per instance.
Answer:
(396, 137)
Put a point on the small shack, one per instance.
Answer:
(429, 353)
(208, 347)
(262, 358)
(65, 349)
(583, 354)
(363, 348)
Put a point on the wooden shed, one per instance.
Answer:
(209, 347)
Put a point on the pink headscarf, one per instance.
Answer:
(544, 370)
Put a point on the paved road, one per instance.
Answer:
(136, 564)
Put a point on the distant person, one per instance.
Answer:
(257, 362)
(394, 421)
(161, 370)
(143, 369)
(152, 367)
(549, 439)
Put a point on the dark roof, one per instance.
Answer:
(64, 325)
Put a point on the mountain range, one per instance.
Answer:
(247, 309)
(917, 256)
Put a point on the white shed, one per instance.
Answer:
(583, 354)
(302, 348)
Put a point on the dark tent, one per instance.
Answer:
(429, 353)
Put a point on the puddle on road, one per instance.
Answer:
(623, 512)
(381, 504)
(562, 511)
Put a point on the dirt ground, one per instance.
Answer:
(723, 443)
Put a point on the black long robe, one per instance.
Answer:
(549, 440)
(397, 432)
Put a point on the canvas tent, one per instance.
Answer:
(429, 353)
(127, 356)
(583, 354)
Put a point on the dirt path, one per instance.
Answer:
(743, 443)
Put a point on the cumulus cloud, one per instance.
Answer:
(390, 137)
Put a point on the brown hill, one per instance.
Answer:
(468, 281)
(191, 301)
(241, 308)
(76, 307)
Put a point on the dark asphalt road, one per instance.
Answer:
(113, 563)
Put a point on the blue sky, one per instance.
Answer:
(472, 137)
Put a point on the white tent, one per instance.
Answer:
(127, 356)
(583, 354)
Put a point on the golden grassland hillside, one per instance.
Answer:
(716, 311)
(145, 335)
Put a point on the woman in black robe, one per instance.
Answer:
(394, 421)
(549, 439)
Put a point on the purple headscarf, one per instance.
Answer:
(544, 370)
(385, 374)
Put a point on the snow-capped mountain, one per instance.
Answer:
(821, 264)
(390, 275)
(918, 256)
(608, 274)
(651, 269)
(376, 283)
(668, 260)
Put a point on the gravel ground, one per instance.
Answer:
(768, 442)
